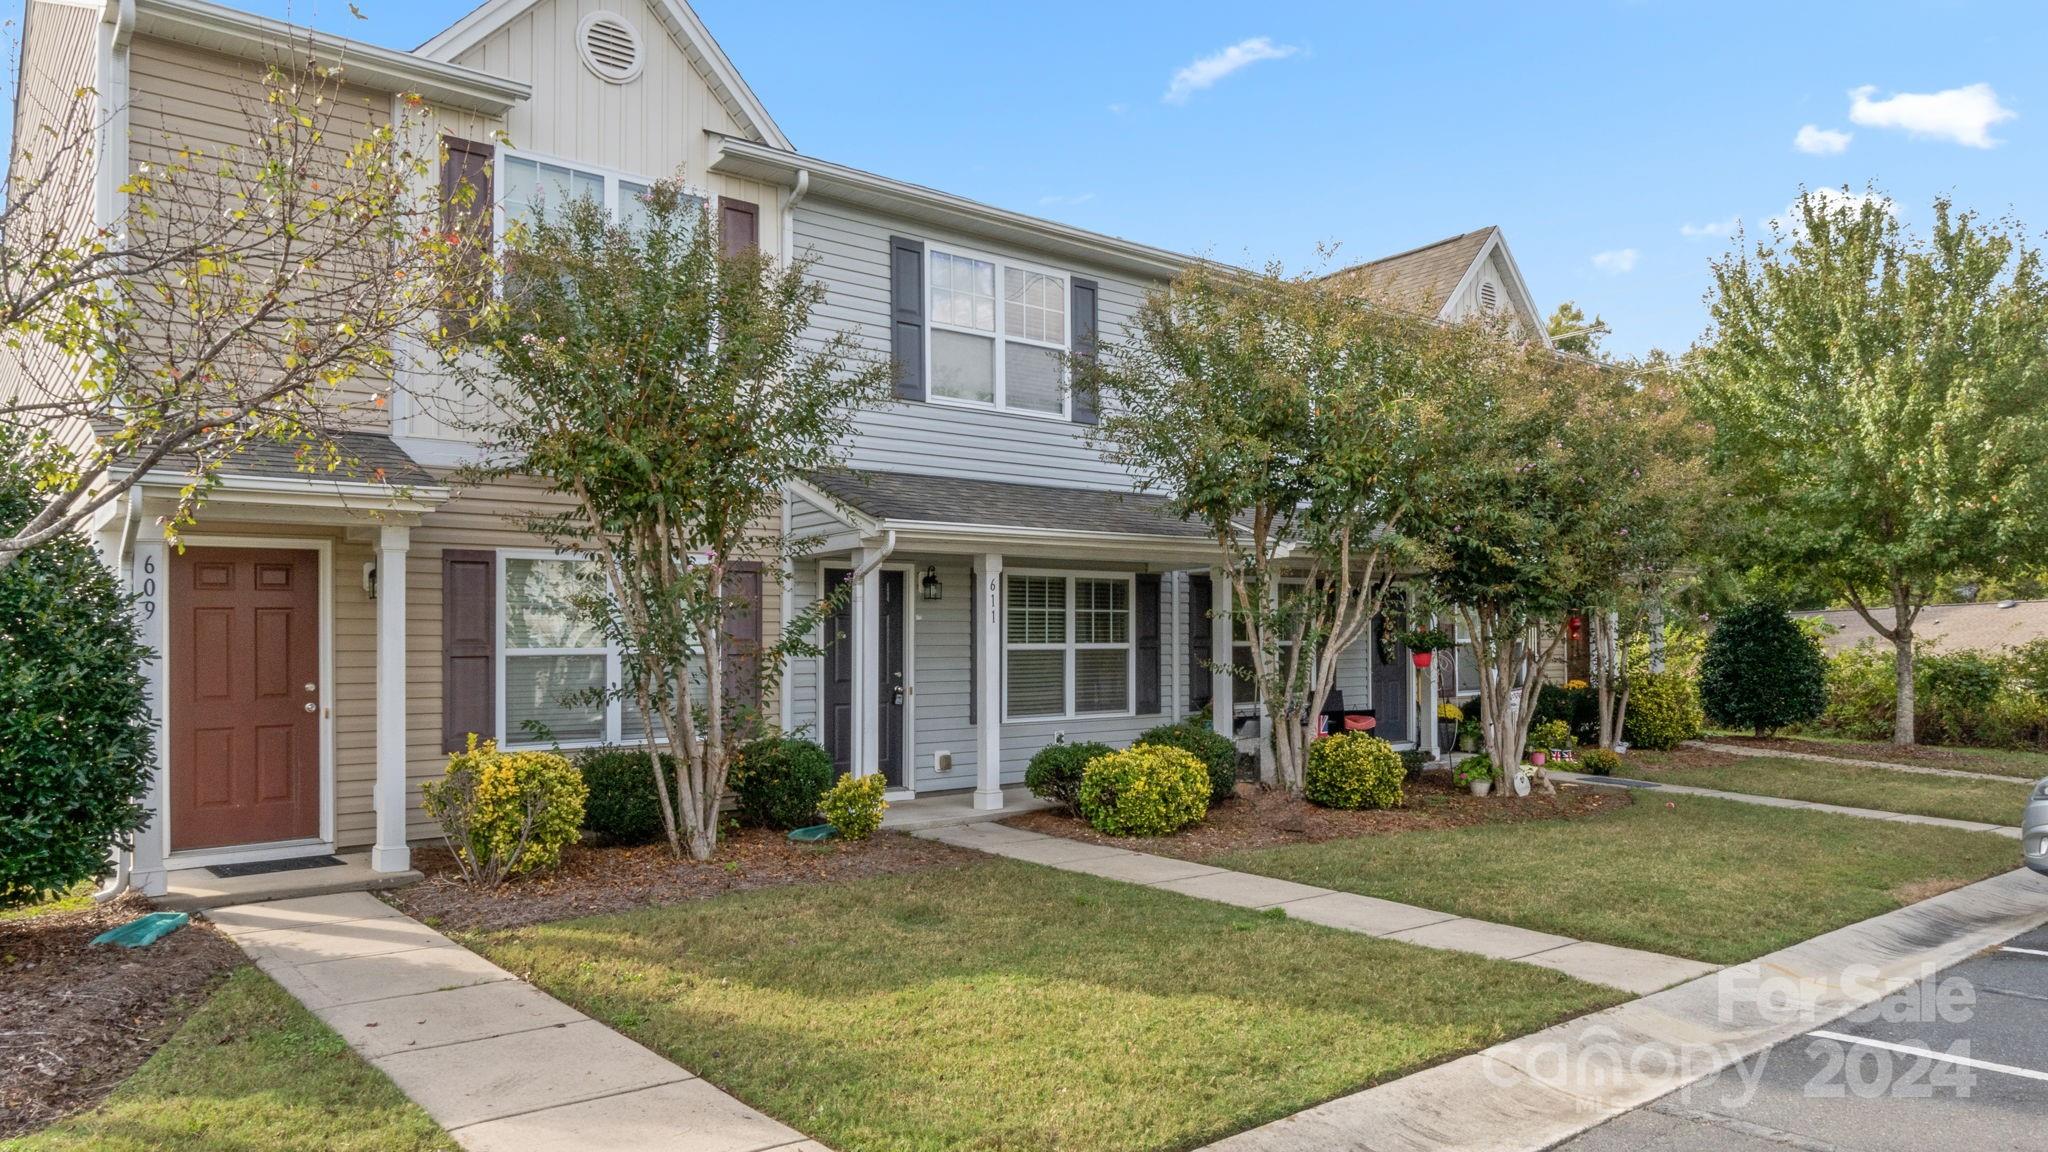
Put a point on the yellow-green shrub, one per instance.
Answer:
(1144, 790)
(1354, 770)
(1663, 710)
(504, 813)
(855, 806)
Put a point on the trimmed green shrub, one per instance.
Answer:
(779, 780)
(1055, 771)
(1862, 697)
(1144, 790)
(855, 807)
(1578, 708)
(1216, 752)
(1413, 761)
(504, 813)
(1663, 710)
(1551, 734)
(1761, 671)
(75, 752)
(623, 806)
(1599, 762)
(1353, 770)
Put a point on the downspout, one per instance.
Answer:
(875, 561)
(789, 203)
(785, 705)
(123, 857)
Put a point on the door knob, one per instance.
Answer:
(312, 707)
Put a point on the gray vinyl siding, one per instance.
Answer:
(848, 251)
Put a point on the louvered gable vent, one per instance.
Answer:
(610, 46)
(1489, 299)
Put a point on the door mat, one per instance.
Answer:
(295, 864)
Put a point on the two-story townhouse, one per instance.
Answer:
(1009, 586)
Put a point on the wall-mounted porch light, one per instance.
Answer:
(929, 587)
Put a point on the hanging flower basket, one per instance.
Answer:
(1422, 659)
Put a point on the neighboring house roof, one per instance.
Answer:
(903, 498)
(1420, 280)
(683, 26)
(1980, 627)
(251, 37)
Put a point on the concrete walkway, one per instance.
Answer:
(1530, 1093)
(1815, 757)
(1626, 968)
(501, 1065)
(1781, 802)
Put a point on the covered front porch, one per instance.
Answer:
(985, 620)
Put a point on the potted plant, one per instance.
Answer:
(1468, 734)
(1449, 719)
(1548, 740)
(1423, 644)
(1474, 772)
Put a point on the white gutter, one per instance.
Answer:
(788, 706)
(875, 561)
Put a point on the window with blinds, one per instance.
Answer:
(1067, 647)
(554, 658)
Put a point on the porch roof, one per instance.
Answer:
(901, 499)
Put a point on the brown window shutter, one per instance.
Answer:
(744, 626)
(739, 225)
(469, 647)
(467, 217)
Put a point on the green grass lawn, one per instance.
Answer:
(78, 896)
(1715, 880)
(1989, 801)
(251, 1070)
(1996, 761)
(1000, 1005)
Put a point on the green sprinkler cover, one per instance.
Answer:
(144, 930)
(814, 833)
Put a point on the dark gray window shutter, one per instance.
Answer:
(906, 315)
(973, 645)
(1201, 630)
(1145, 635)
(744, 627)
(739, 225)
(469, 647)
(1086, 314)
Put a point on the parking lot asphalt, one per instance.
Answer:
(1957, 1060)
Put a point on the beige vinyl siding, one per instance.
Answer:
(58, 70)
(188, 100)
(652, 126)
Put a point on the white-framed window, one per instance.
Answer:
(1067, 648)
(997, 330)
(528, 182)
(1465, 661)
(548, 650)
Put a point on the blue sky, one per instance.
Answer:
(1613, 140)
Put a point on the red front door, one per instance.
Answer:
(244, 696)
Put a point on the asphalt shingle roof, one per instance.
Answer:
(1981, 627)
(1421, 279)
(903, 497)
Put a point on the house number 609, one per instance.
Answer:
(148, 587)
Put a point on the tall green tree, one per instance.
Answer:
(667, 389)
(1570, 330)
(1296, 422)
(1880, 407)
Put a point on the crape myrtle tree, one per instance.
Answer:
(666, 388)
(1880, 407)
(1293, 420)
(1539, 480)
(259, 290)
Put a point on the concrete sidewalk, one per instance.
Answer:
(1781, 802)
(1819, 758)
(1533, 1092)
(1628, 969)
(500, 1064)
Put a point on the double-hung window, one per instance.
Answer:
(998, 331)
(1067, 646)
(1465, 661)
(553, 658)
(531, 185)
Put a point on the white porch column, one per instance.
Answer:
(987, 599)
(1222, 700)
(1425, 678)
(867, 663)
(391, 853)
(152, 622)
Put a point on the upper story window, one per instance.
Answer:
(998, 330)
(531, 184)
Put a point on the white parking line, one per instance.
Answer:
(1931, 1054)
(2022, 951)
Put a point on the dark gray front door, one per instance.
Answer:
(1391, 682)
(839, 674)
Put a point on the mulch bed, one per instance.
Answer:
(1262, 818)
(593, 880)
(76, 1020)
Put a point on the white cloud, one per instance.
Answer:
(1815, 140)
(1065, 201)
(1616, 261)
(1711, 227)
(1206, 71)
(1962, 115)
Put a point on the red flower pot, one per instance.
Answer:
(1422, 659)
